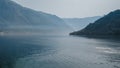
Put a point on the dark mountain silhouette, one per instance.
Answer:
(107, 25)
(80, 23)
(13, 15)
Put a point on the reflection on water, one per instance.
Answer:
(59, 52)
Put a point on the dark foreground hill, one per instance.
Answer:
(107, 25)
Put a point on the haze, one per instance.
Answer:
(72, 8)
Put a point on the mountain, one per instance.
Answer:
(80, 23)
(107, 25)
(15, 16)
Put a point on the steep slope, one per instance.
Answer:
(107, 25)
(13, 15)
(80, 23)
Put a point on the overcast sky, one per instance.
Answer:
(72, 8)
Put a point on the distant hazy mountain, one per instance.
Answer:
(13, 15)
(107, 25)
(80, 23)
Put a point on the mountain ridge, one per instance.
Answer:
(16, 18)
(13, 15)
(80, 23)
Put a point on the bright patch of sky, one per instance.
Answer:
(72, 8)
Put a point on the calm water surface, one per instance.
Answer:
(59, 52)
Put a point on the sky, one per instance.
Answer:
(72, 8)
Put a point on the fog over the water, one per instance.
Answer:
(72, 8)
